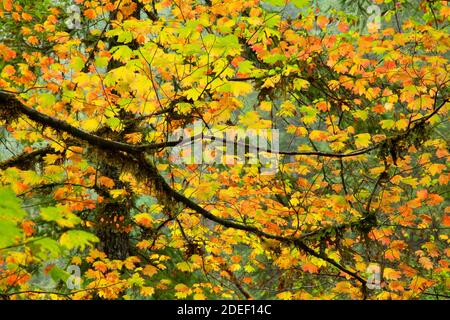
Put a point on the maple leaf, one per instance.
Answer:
(362, 140)
(150, 270)
(147, 291)
(426, 263)
(89, 114)
(27, 227)
(309, 267)
(106, 182)
(143, 219)
(134, 138)
(271, 81)
(77, 239)
(391, 274)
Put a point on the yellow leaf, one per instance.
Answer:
(143, 219)
(266, 106)
(147, 291)
(115, 193)
(252, 120)
(235, 267)
(199, 296)
(284, 295)
(238, 88)
(76, 260)
(318, 135)
(391, 274)
(51, 158)
(271, 82)
(89, 124)
(360, 114)
(426, 263)
(362, 140)
(184, 266)
(343, 287)
(436, 168)
(410, 181)
(402, 124)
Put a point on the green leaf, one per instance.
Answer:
(101, 62)
(300, 84)
(58, 274)
(273, 58)
(276, 3)
(387, 124)
(77, 239)
(11, 213)
(10, 206)
(114, 123)
(361, 114)
(245, 66)
(77, 64)
(61, 216)
(310, 114)
(300, 3)
(9, 233)
(46, 248)
(237, 88)
(122, 35)
(362, 140)
(46, 99)
(121, 53)
(229, 42)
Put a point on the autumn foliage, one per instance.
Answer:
(91, 93)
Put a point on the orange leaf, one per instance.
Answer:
(181, 287)
(134, 137)
(422, 194)
(27, 227)
(322, 21)
(90, 13)
(143, 219)
(446, 220)
(434, 199)
(26, 16)
(426, 263)
(106, 182)
(343, 27)
(309, 267)
(323, 106)
(7, 5)
(100, 266)
(149, 270)
(33, 40)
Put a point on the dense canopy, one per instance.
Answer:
(224, 149)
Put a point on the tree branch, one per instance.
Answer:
(170, 193)
(11, 102)
(25, 157)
